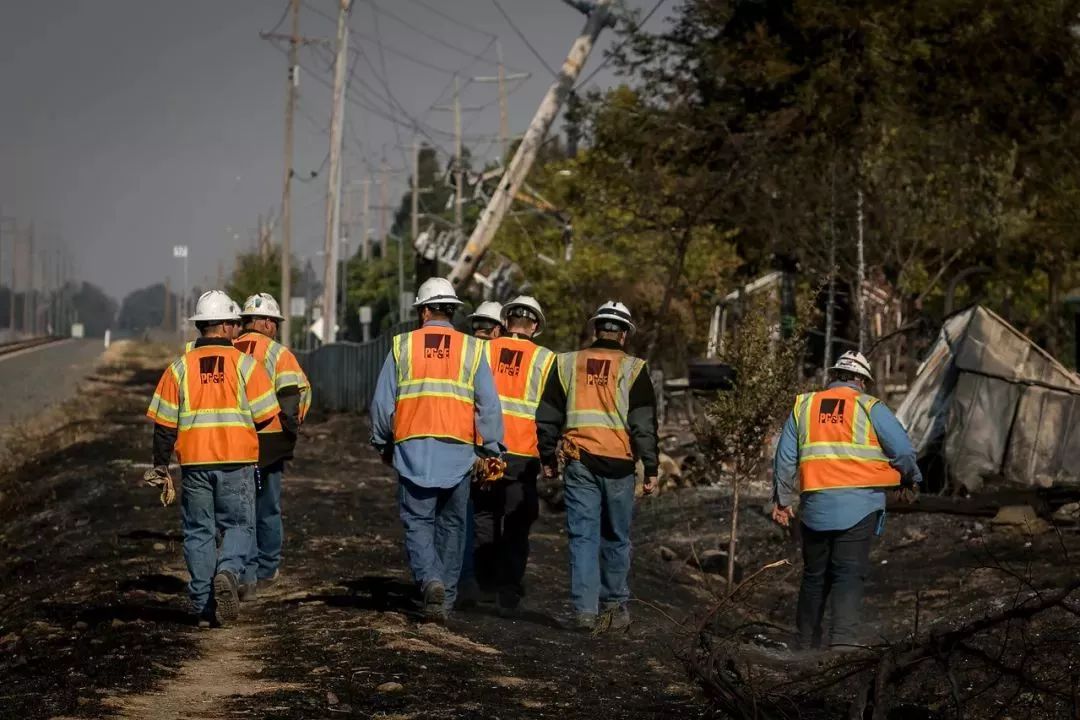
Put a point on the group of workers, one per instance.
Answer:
(230, 409)
(470, 423)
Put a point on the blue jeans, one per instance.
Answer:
(265, 555)
(434, 520)
(212, 500)
(599, 511)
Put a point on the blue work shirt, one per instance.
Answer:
(435, 462)
(842, 509)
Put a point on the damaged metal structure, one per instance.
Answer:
(989, 407)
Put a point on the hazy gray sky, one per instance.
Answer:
(130, 126)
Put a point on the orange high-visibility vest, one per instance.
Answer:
(282, 367)
(597, 383)
(214, 395)
(436, 374)
(520, 368)
(838, 447)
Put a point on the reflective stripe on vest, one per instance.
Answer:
(268, 351)
(436, 373)
(838, 447)
(519, 367)
(215, 419)
(597, 383)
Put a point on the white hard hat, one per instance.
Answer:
(614, 311)
(436, 291)
(854, 362)
(214, 306)
(488, 310)
(262, 305)
(525, 306)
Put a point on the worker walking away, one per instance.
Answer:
(277, 441)
(435, 411)
(487, 320)
(206, 408)
(486, 324)
(507, 508)
(600, 402)
(839, 451)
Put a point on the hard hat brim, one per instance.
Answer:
(444, 300)
(253, 313)
(214, 318)
(631, 328)
(854, 370)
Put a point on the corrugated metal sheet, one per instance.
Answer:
(343, 375)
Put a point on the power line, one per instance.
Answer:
(451, 18)
(619, 47)
(524, 39)
(424, 33)
(284, 14)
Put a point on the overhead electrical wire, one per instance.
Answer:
(281, 20)
(521, 35)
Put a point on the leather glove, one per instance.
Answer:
(487, 471)
(905, 494)
(159, 476)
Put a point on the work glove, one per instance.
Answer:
(488, 471)
(905, 494)
(158, 476)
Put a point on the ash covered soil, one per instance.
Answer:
(92, 591)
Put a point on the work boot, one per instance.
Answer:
(248, 591)
(468, 594)
(615, 616)
(267, 583)
(435, 601)
(584, 622)
(508, 603)
(226, 597)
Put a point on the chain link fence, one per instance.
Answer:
(343, 374)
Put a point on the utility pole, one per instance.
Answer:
(414, 229)
(501, 78)
(484, 232)
(29, 306)
(291, 86)
(346, 224)
(333, 185)
(860, 289)
(167, 307)
(62, 282)
(365, 228)
(382, 209)
(459, 164)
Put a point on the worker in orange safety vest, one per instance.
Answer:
(277, 441)
(839, 451)
(601, 404)
(435, 411)
(506, 509)
(207, 407)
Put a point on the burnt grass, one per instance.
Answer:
(93, 597)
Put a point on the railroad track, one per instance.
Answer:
(17, 345)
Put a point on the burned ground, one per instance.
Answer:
(92, 593)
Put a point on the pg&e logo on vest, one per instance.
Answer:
(212, 369)
(247, 347)
(436, 347)
(597, 372)
(509, 362)
(831, 411)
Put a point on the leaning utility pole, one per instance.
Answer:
(414, 228)
(333, 185)
(511, 181)
(501, 78)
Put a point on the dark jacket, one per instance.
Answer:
(641, 421)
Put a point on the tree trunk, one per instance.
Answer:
(681, 249)
(733, 536)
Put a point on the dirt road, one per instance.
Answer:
(92, 599)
